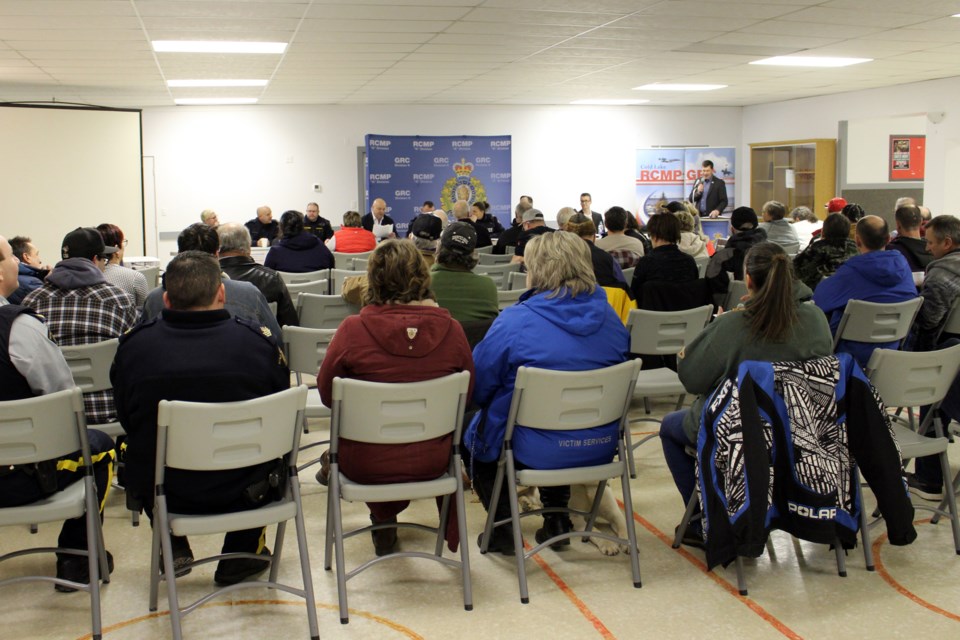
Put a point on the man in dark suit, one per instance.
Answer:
(378, 222)
(709, 193)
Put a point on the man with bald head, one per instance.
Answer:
(461, 211)
(263, 229)
(377, 221)
(874, 275)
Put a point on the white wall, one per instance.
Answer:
(868, 146)
(233, 159)
(819, 118)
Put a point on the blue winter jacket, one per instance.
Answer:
(29, 279)
(877, 276)
(565, 334)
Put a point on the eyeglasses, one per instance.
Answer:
(124, 243)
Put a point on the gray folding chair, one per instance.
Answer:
(305, 349)
(360, 264)
(488, 258)
(876, 322)
(483, 250)
(952, 323)
(702, 262)
(345, 261)
(198, 436)
(307, 276)
(398, 413)
(323, 312)
(499, 273)
(319, 287)
(661, 333)
(564, 401)
(735, 291)
(152, 274)
(508, 298)
(52, 427)
(910, 379)
(790, 248)
(517, 281)
(337, 276)
(628, 275)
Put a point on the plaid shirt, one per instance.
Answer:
(86, 315)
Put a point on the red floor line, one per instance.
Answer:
(567, 591)
(889, 579)
(732, 590)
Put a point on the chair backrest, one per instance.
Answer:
(913, 378)
(90, 364)
(508, 298)
(566, 400)
(498, 273)
(876, 321)
(485, 250)
(735, 290)
(517, 281)
(952, 324)
(492, 259)
(41, 428)
(360, 264)
(307, 276)
(702, 262)
(152, 274)
(319, 287)
(306, 347)
(323, 312)
(628, 275)
(337, 276)
(791, 248)
(345, 260)
(217, 436)
(665, 332)
(397, 413)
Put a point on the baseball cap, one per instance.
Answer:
(530, 215)
(836, 205)
(459, 236)
(84, 242)
(426, 226)
(743, 218)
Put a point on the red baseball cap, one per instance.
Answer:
(836, 205)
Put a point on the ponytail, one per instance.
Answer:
(771, 310)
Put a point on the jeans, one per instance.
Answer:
(675, 441)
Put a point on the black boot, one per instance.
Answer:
(554, 524)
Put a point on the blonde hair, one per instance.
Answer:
(559, 263)
(396, 272)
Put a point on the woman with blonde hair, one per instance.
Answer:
(562, 323)
(400, 335)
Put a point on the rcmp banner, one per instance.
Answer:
(669, 174)
(407, 170)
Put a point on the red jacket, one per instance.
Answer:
(354, 240)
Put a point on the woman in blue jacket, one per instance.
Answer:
(562, 323)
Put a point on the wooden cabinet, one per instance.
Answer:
(795, 172)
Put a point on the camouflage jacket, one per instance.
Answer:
(821, 259)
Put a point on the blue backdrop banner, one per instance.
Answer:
(407, 170)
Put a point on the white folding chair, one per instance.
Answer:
(305, 349)
(517, 281)
(499, 273)
(876, 322)
(152, 274)
(360, 264)
(323, 312)
(337, 276)
(564, 401)
(214, 437)
(702, 262)
(661, 333)
(920, 378)
(508, 298)
(318, 287)
(307, 276)
(628, 275)
(485, 250)
(488, 258)
(397, 413)
(345, 261)
(44, 428)
(952, 323)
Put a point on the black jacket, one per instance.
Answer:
(664, 263)
(914, 250)
(716, 197)
(267, 280)
(258, 230)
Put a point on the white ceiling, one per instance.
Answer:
(469, 51)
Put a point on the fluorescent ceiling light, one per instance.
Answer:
(217, 46)
(202, 101)
(664, 86)
(810, 61)
(216, 83)
(611, 102)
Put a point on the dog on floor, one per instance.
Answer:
(581, 498)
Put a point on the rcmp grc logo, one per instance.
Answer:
(462, 187)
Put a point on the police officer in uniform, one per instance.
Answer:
(195, 351)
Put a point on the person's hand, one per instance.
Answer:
(714, 214)
(263, 242)
(700, 188)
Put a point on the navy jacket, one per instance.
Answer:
(29, 279)
(299, 254)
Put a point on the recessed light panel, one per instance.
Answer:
(209, 101)
(810, 61)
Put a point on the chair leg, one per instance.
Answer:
(841, 558)
(167, 547)
(692, 504)
(155, 566)
(511, 473)
(464, 538)
(741, 579)
(277, 550)
(492, 510)
(441, 528)
(680, 402)
(94, 553)
(301, 528)
(646, 404)
(631, 529)
(328, 535)
(338, 542)
(864, 524)
(629, 452)
(951, 498)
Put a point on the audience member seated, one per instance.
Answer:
(666, 263)
(908, 241)
(480, 213)
(853, 212)
(465, 294)
(692, 242)
(243, 299)
(31, 365)
(461, 213)
(196, 352)
(563, 323)
(209, 218)
(606, 271)
(351, 237)
(133, 282)
(510, 236)
(31, 271)
(626, 250)
(263, 229)
(824, 256)
(533, 225)
(400, 335)
(773, 326)
(805, 223)
(297, 251)
(633, 230)
(236, 262)
(745, 233)
(778, 230)
(874, 275)
(81, 307)
(834, 205)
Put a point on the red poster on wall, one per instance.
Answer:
(906, 157)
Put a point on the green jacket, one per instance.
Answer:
(465, 294)
(717, 352)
